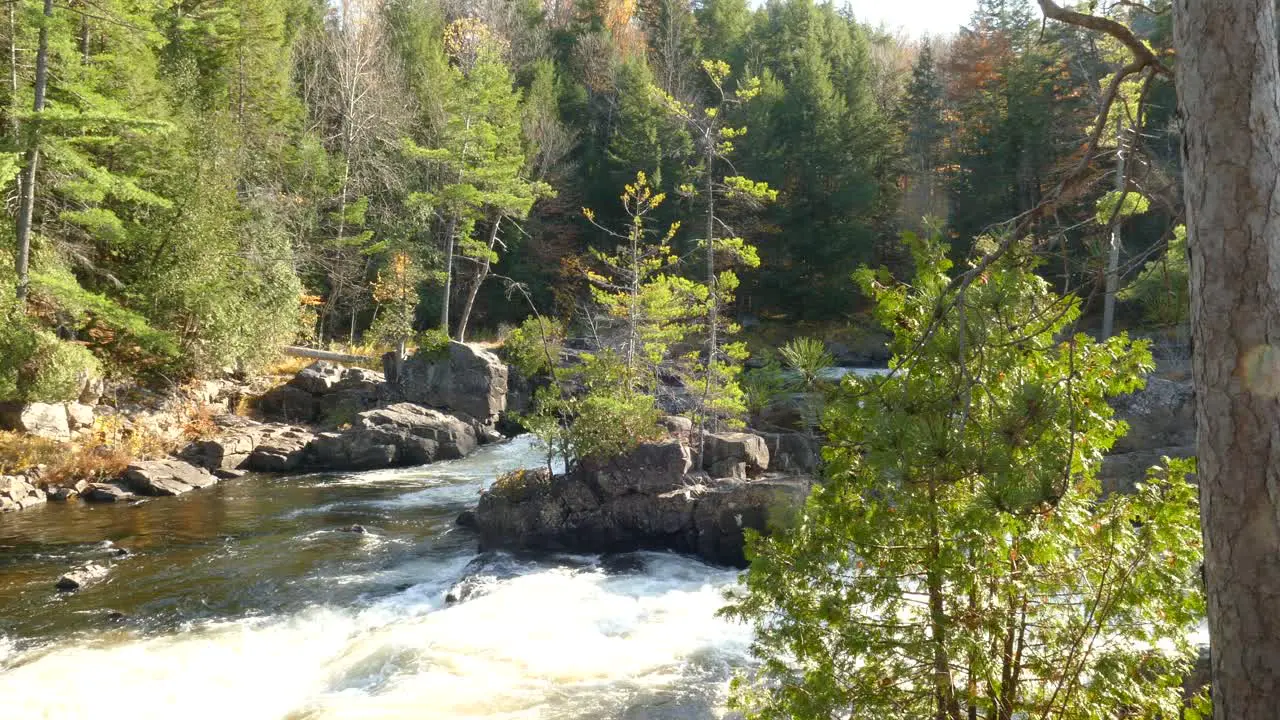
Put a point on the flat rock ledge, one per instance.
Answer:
(649, 499)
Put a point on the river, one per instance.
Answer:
(248, 601)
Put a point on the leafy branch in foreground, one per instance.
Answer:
(960, 560)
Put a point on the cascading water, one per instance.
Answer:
(254, 599)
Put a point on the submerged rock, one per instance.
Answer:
(81, 577)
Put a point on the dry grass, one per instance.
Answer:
(198, 422)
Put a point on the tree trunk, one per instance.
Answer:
(713, 299)
(448, 273)
(1113, 249)
(27, 201)
(1227, 80)
(481, 273)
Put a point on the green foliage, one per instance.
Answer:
(1111, 206)
(35, 366)
(960, 558)
(1162, 288)
(761, 385)
(808, 357)
(433, 344)
(534, 348)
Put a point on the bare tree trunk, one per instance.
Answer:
(448, 273)
(26, 205)
(1229, 99)
(1113, 249)
(713, 298)
(481, 273)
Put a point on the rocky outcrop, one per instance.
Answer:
(734, 454)
(1162, 422)
(280, 449)
(165, 477)
(19, 493)
(466, 379)
(326, 393)
(398, 435)
(46, 420)
(793, 452)
(647, 499)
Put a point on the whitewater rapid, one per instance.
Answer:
(558, 637)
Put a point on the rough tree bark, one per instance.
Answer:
(1229, 100)
(27, 182)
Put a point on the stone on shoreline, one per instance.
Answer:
(19, 493)
(165, 477)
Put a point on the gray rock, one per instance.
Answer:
(288, 404)
(1160, 415)
(649, 468)
(723, 449)
(281, 449)
(725, 510)
(469, 380)
(678, 426)
(107, 493)
(1121, 472)
(81, 577)
(92, 390)
(398, 435)
(79, 416)
(165, 477)
(19, 493)
(792, 452)
(533, 510)
(317, 378)
(228, 452)
(47, 420)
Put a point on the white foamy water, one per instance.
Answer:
(550, 643)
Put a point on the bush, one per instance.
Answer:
(535, 345)
(1163, 286)
(433, 344)
(808, 357)
(35, 366)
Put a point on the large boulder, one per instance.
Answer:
(645, 500)
(290, 404)
(281, 449)
(734, 454)
(397, 435)
(464, 379)
(19, 493)
(79, 416)
(728, 508)
(107, 493)
(47, 420)
(317, 378)
(165, 477)
(792, 452)
(227, 452)
(649, 468)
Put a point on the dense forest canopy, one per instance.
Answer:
(194, 183)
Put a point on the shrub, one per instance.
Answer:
(35, 366)
(960, 560)
(808, 357)
(433, 344)
(535, 345)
